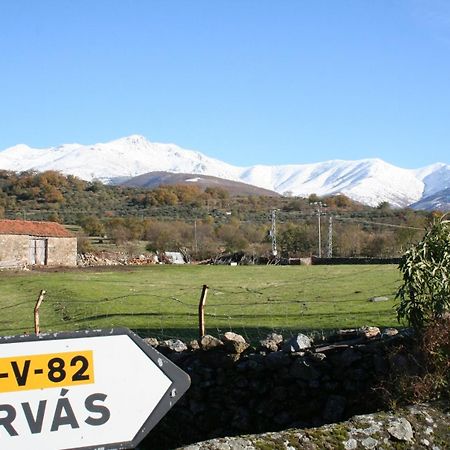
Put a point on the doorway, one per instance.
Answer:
(37, 252)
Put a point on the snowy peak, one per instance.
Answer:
(369, 181)
(129, 156)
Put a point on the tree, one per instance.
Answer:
(313, 198)
(92, 226)
(163, 236)
(342, 201)
(232, 237)
(425, 292)
(384, 206)
(349, 240)
(296, 240)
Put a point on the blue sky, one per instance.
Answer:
(245, 81)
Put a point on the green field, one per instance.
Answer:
(162, 301)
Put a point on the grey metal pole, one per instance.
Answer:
(330, 237)
(320, 237)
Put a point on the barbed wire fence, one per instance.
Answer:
(313, 305)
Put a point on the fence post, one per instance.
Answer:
(201, 312)
(36, 311)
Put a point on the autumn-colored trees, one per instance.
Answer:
(208, 221)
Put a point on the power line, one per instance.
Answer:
(378, 223)
(28, 212)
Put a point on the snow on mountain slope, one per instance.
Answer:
(369, 181)
(435, 178)
(129, 156)
(439, 201)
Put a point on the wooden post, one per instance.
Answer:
(36, 311)
(201, 312)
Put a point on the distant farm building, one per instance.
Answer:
(25, 243)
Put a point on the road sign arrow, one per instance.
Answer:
(97, 389)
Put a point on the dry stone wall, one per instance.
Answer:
(279, 384)
(417, 427)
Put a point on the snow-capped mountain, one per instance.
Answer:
(438, 201)
(129, 156)
(369, 181)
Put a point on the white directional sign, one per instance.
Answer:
(99, 389)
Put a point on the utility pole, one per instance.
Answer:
(330, 237)
(195, 237)
(319, 212)
(320, 205)
(273, 233)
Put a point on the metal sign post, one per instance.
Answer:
(99, 389)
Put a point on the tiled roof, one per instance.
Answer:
(51, 229)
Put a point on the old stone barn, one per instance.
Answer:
(25, 243)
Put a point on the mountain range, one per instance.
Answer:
(369, 181)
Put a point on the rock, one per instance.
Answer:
(380, 364)
(351, 444)
(253, 362)
(401, 430)
(174, 345)
(369, 332)
(334, 408)
(234, 343)
(303, 370)
(349, 356)
(153, 342)
(282, 418)
(271, 342)
(378, 299)
(389, 332)
(369, 443)
(194, 345)
(280, 393)
(297, 343)
(224, 444)
(343, 335)
(276, 360)
(352, 333)
(209, 342)
(319, 356)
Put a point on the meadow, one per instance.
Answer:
(162, 301)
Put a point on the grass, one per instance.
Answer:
(162, 301)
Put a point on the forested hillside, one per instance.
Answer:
(208, 222)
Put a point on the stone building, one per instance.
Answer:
(25, 243)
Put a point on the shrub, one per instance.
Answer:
(425, 292)
(84, 245)
(419, 368)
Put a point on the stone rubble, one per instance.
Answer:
(114, 259)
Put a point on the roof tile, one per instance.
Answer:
(50, 229)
